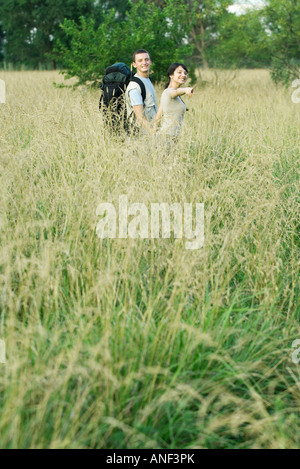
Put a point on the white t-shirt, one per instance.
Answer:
(134, 98)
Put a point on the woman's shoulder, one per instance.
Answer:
(166, 92)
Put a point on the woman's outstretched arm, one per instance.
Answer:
(181, 91)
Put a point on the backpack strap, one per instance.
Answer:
(142, 86)
(101, 101)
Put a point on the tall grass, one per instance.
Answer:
(137, 343)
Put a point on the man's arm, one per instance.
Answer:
(139, 114)
(158, 116)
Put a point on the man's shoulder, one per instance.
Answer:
(133, 86)
(147, 81)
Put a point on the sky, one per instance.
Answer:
(241, 6)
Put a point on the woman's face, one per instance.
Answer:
(180, 75)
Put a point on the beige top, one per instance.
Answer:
(174, 111)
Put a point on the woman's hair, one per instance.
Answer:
(171, 71)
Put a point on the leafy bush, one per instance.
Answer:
(284, 71)
(283, 22)
(90, 50)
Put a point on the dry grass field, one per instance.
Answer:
(141, 343)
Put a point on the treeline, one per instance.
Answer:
(84, 36)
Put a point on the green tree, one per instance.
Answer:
(283, 21)
(32, 26)
(91, 49)
(1, 43)
(202, 20)
(242, 41)
(204, 17)
(120, 6)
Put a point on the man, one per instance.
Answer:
(143, 111)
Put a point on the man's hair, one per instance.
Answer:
(139, 51)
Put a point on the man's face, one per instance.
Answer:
(142, 63)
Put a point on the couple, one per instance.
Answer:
(172, 109)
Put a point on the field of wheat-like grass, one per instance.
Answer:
(122, 344)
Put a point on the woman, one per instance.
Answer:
(172, 109)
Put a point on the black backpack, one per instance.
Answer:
(112, 102)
